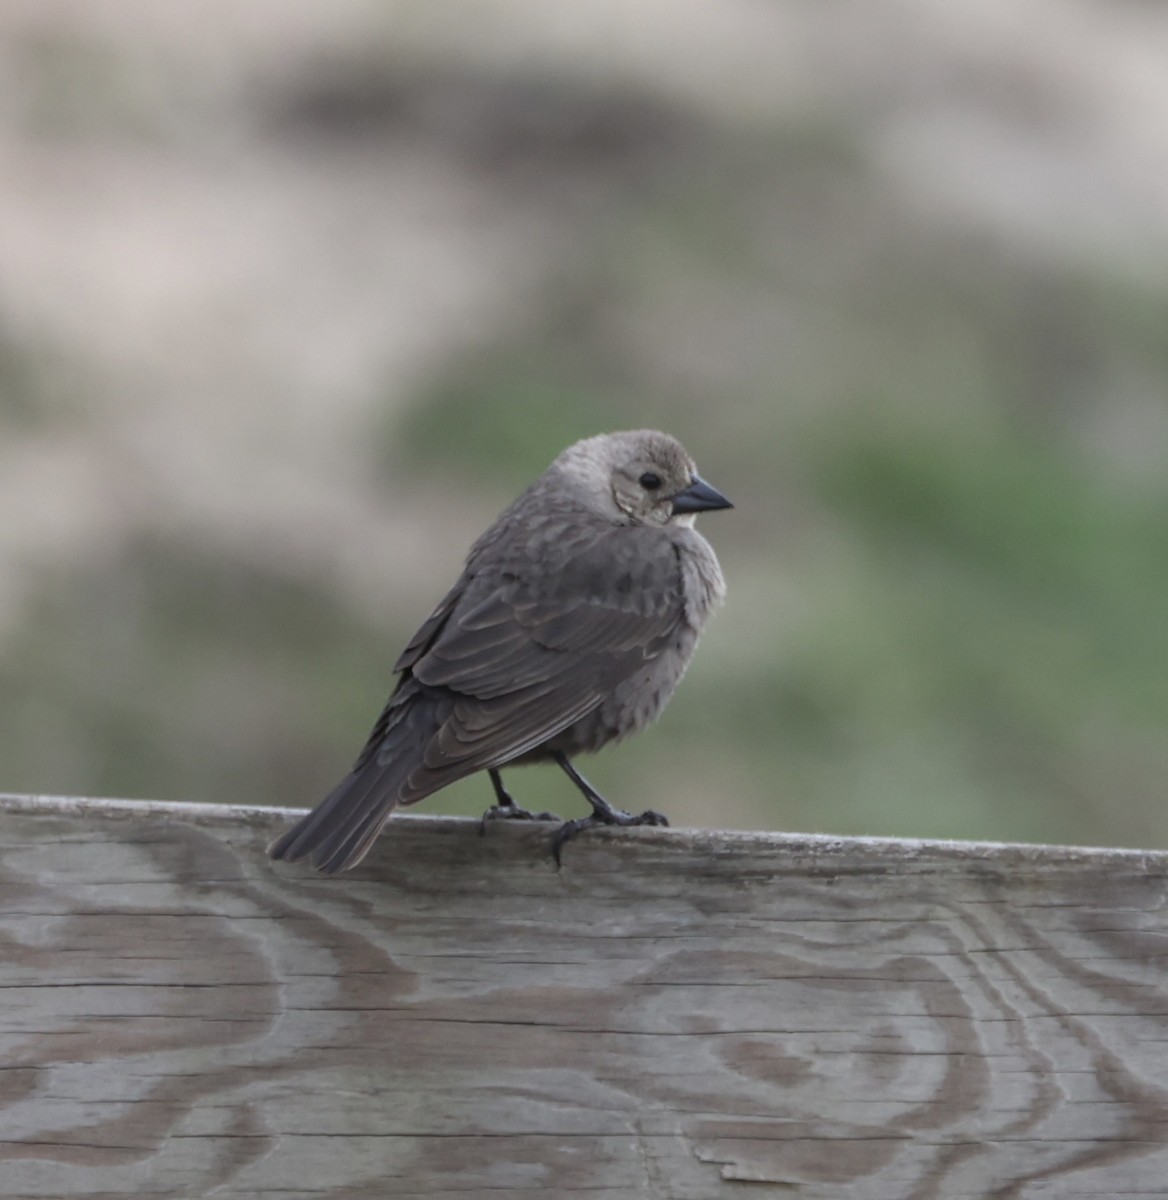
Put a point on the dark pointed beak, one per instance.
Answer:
(699, 497)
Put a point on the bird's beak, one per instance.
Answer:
(699, 497)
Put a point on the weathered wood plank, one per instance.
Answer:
(674, 1014)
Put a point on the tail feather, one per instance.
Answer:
(338, 832)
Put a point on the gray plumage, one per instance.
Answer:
(573, 621)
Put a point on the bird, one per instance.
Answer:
(574, 619)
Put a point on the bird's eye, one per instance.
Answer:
(649, 481)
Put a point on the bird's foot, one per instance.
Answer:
(505, 808)
(602, 814)
(512, 812)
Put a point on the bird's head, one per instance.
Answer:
(645, 475)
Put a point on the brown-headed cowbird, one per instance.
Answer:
(574, 619)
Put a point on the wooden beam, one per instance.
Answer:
(675, 1013)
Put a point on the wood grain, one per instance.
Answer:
(674, 1014)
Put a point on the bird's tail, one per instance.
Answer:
(391, 770)
(337, 833)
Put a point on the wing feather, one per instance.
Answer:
(528, 652)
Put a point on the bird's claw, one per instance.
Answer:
(512, 812)
(614, 816)
(650, 817)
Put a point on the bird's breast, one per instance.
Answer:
(702, 586)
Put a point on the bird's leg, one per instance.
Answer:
(505, 808)
(603, 813)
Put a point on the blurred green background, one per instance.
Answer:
(295, 297)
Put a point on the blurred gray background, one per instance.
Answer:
(295, 296)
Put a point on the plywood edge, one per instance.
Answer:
(871, 852)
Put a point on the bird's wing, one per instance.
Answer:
(430, 628)
(530, 647)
